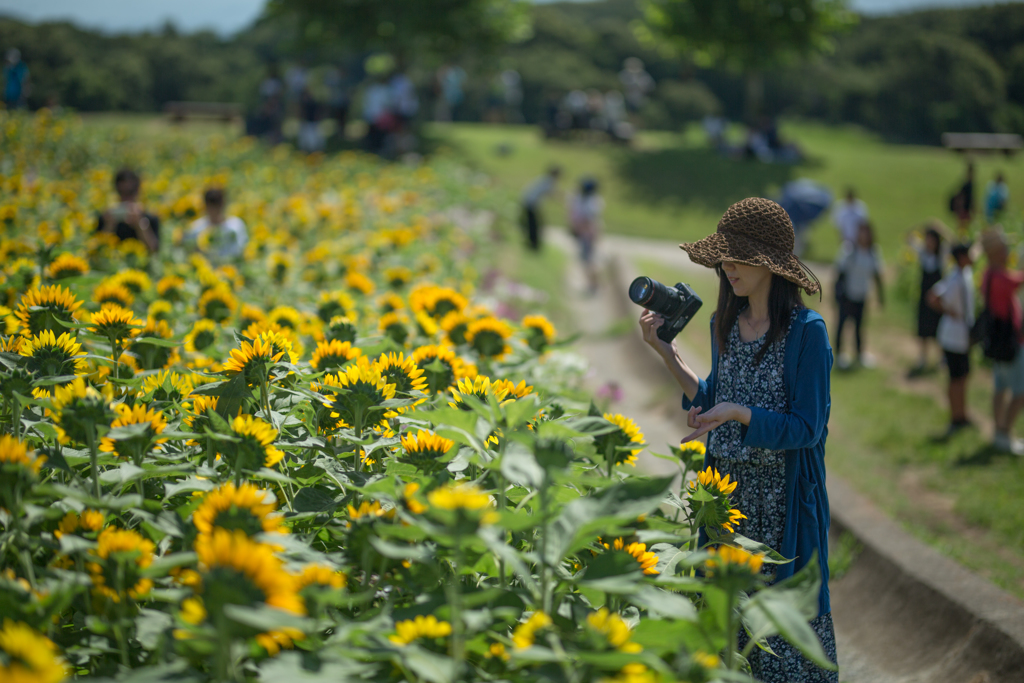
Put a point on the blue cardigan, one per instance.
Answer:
(801, 433)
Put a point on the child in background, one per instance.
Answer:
(218, 236)
(953, 297)
(930, 257)
(585, 209)
(859, 265)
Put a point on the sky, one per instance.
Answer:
(229, 16)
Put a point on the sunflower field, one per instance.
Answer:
(329, 459)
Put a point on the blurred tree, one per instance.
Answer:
(746, 36)
(443, 27)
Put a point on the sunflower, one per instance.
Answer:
(357, 281)
(67, 265)
(441, 366)
(456, 497)
(11, 344)
(402, 372)
(279, 265)
(386, 303)
(334, 304)
(426, 325)
(397, 277)
(244, 508)
(421, 627)
(204, 334)
(726, 559)
(614, 629)
(424, 450)
(525, 634)
(394, 325)
(714, 510)
(160, 309)
(135, 447)
(646, 559)
(108, 292)
(45, 308)
(320, 575)
(198, 419)
(253, 360)
(167, 386)
(135, 280)
(513, 391)
(249, 315)
(15, 452)
(363, 388)
(489, 337)
(89, 520)
(285, 316)
(455, 325)
(217, 303)
(78, 409)
(236, 570)
(331, 355)
(436, 301)
(171, 287)
(256, 447)
(341, 328)
(52, 356)
(412, 504)
(115, 323)
(29, 656)
(539, 331)
(120, 555)
(614, 446)
(280, 339)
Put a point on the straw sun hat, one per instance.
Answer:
(755, 232)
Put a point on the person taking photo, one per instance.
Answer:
(765, 405)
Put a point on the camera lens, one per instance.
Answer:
(641, 290)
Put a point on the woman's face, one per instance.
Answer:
(746, 279)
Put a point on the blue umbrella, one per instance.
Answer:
(804, 200)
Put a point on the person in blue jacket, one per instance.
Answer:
(765, 406)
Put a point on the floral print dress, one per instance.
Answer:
(761, 490)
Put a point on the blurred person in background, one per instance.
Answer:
(931, 259)
(848, 216)
(217, 235)
(1003, 344)
(961, 204)
(405, 105)
(378, 113)
(997, 194)
(858, 266)
(512, 83)
(636, 82)
(449, 83)
(16, 80)
(586, 208)
(339, 96)
(532, 197)
(953, 297)
(310, 139)
(295, 81)
(128, 219)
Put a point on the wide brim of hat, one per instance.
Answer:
(718, 247)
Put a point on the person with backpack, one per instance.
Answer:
(953, 297)
(1002, 339)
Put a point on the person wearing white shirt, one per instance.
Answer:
(860, 265)
(848, 216)
(217, 235)
(954, 298)
(535, 192)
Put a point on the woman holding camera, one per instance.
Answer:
(765, 406)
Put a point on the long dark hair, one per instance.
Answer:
(782, 299)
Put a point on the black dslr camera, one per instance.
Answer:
(676, 304)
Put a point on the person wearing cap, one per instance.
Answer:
(765, 405)
(953, 297)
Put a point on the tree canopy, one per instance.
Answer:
(443, 27)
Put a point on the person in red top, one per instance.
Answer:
(999, 288)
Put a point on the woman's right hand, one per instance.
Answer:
(649, 324)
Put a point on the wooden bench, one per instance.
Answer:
(1007, 143)
(223, 111)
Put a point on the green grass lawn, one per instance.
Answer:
(673, 186)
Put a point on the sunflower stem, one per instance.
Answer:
(455, 600)
(90, 437)
(733, 627)
(544, 587)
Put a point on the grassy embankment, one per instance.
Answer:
(959, 496)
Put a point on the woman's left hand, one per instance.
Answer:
(717, 416)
